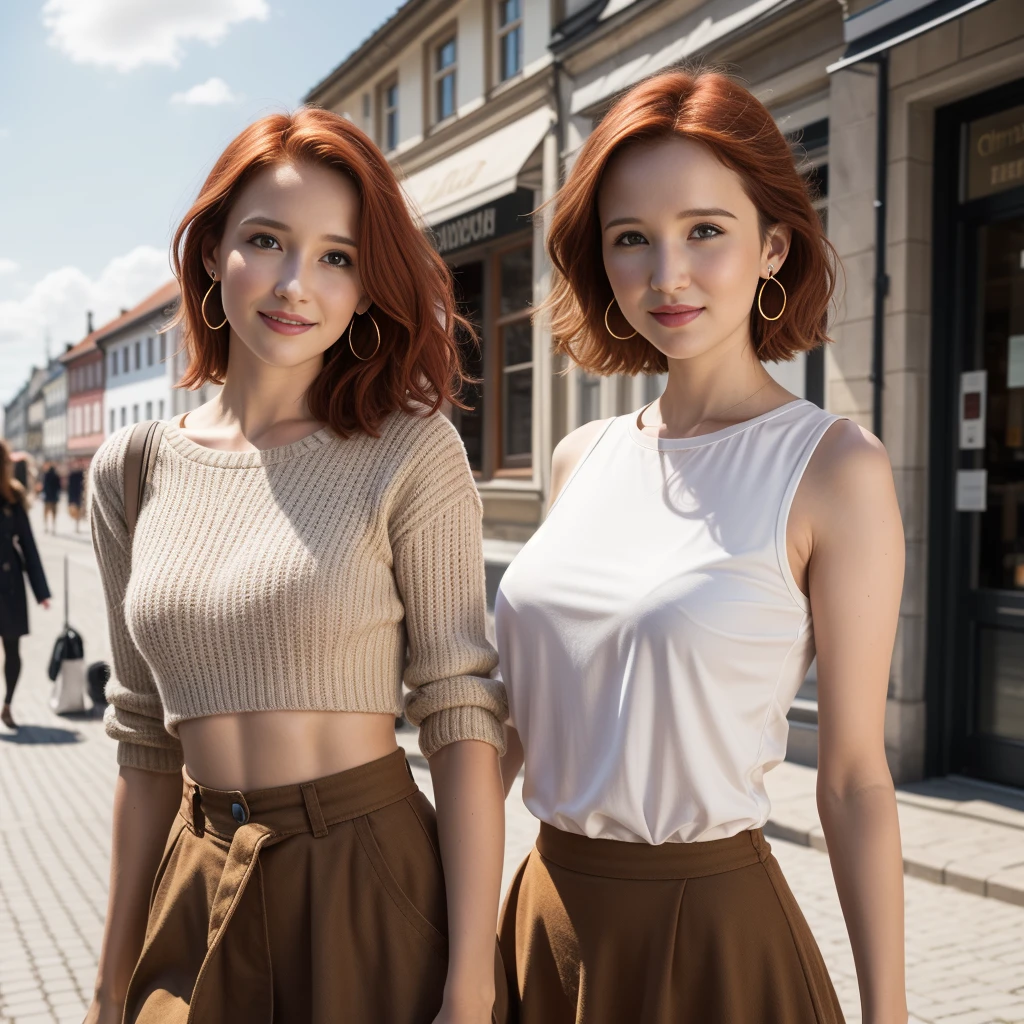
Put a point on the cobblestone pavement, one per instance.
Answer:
(965, 953)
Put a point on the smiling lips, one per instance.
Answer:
(676, 316)
(286, 323)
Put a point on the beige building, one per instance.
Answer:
(907, 116)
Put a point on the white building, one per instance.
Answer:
(136, 351)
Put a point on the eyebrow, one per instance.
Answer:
(682, 215)
(270, 223)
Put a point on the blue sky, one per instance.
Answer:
(103, 144)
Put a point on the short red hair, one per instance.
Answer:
(409, 285)
(710, 108)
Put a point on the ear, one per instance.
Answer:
(211, 260)
(776, 248)
(364, 303)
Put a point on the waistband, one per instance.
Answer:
(304, 807)
(611, 858)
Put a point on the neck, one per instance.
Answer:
(716, 389)
(258, 397)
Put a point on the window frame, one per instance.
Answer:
(438, 74)
(385, 111)
(500, 32)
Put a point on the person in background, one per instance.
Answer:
(15, 536)
(76, 488)
(51, 495)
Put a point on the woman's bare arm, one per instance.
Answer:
(847, 502)
(144, 807)
(471, 829)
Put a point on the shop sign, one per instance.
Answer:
(494, 220)
(995, 155)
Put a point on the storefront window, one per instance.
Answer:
(469, 291)
(516, 348)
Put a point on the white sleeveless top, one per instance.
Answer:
(652, 636)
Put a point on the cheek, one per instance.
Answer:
(627, 270)
(723, 271)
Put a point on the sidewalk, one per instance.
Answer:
(955, 831)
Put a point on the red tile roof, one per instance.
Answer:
(163, 296)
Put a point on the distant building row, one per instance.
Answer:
(120, 373)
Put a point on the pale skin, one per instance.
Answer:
(289, 249)
(679, 229)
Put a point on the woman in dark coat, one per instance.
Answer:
(18, 554)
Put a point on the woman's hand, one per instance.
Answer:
(45, 603)
(103, 1011)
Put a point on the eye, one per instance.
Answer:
(337, 258)
(702, 232)
(630, 238)
(263, 241)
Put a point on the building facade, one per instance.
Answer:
(460, 97)
(907, 118)
(55, 408)
(135, 350)
(35, 413)
(84, 365)
(16, 419)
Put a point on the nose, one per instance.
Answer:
(671, 269)
(290, 284)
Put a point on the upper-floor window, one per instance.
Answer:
(149, 351)
(444, 80)
(113, 364)
(124, 359)
(389, 115)
(510, 37)
(163, 348)
(138, 355)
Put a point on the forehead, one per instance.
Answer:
(298, 191)
(672, 172)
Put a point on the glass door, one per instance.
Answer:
(993, 577)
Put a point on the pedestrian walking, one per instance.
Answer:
(76, 494)
(296, 537)
(50, 487)
(18, 557)
(655, 630)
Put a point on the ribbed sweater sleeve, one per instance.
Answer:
(135, 714)
(437, 543)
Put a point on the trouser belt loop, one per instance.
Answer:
(198, 818)
(316, 816)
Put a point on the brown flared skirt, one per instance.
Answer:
(321, 902)
(596, 931)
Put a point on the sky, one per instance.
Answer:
(111, 114)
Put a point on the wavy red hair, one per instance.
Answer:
(710, 108)
(409, 285)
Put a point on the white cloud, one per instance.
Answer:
(9, 266)
(212, 93)
(126, 34)
(56, 306)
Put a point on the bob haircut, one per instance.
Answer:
(710, 108)
(409, 285)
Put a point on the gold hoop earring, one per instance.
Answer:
(760, 309)
(202, 308)
(352, 350)
(617, 337)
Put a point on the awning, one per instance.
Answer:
(478, 174)
(892, 22)
(711, 23)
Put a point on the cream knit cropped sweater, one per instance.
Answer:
(314, 576)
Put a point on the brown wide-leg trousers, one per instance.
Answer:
(315, 903)
(596, 931)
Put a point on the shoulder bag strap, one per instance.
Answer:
(143, 445)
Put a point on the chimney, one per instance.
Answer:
(88, 322)
(124, 310)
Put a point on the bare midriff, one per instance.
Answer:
(263, 749)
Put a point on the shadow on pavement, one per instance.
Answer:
(40, 734)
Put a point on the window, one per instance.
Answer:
(113, 364)
(113, 421)
(124, 413)
(124, 359)
(366, 107)
(590, 397)
(163, 348)
(135, 411)
(389, 115)
(149, 351)
(510, 38)
(138, 355)
(444, 80)
(515, 347)
(149, 409)
(160, 413)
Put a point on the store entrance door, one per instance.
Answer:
(985, 495)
